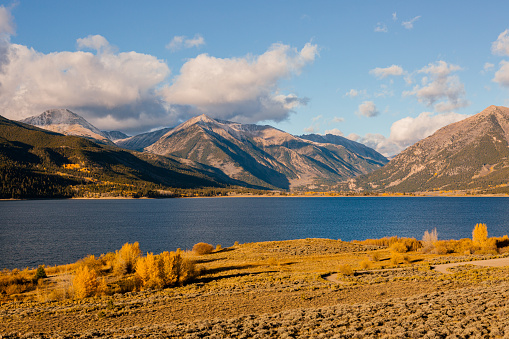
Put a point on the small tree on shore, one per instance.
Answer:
(85, 282)
(480, 235)
(429, 240)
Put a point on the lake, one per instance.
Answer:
(53, 232)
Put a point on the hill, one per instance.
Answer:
(39, 163)
(263, 155)
(472, 154)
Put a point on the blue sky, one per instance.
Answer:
(385, 73)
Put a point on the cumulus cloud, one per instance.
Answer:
(181, 41)
(104, 83)
(337, 119)
(381, 28)
(133, 92)
(6, 30)
(501, 45)
(407, 131)
(94, 42)
(241, 89)
(334, 131)
(367, 109)
(488, 67)
(382, 73)
(440, 88)
(394, 16)
(352, 93)
(410, 23)
(502, 75)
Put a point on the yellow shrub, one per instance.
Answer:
(125, 259)
(398, 247)
(365, 264)
(396, 258)
(84, 282)
(346, 269)
(203, 248)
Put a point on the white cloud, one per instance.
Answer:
(367, 109)
(6, 30)
(352, 93)
(6, 21)
(334, 131)
(439, 88)
(337, 119)
(394, 16)
(315, 119)
(121, 85)
(502, 75)
(181, 41)
(94, 42)
(241, 89)
(312, 129)
(132, 91)
(488, 67)
(407, 131)
(410, 23)
(501, 45)
(381, 28)
(382, 73)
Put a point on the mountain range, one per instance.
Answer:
(39, 163)
(470, 155)
(249, 155)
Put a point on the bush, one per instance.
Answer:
(40, 273)
(202, 248)
(398, 247)
(85, 282)
(365, 264)
(125, 259)
(346, 269)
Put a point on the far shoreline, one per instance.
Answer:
(317, 195)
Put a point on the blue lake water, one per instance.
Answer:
(62, 231)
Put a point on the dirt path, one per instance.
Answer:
(443, 268)
(490, 262)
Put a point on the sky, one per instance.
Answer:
(384, 73)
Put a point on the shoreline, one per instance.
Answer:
(382, 195)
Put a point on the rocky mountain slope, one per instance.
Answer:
(472, 154)
(263, 155)
(140, 141)
(351, 145)
(115, 135)
(66, 122)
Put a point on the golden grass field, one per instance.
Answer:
(308, 288)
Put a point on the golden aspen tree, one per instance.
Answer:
(85, 282)
(480, 235)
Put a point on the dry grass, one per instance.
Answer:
(276, 289)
